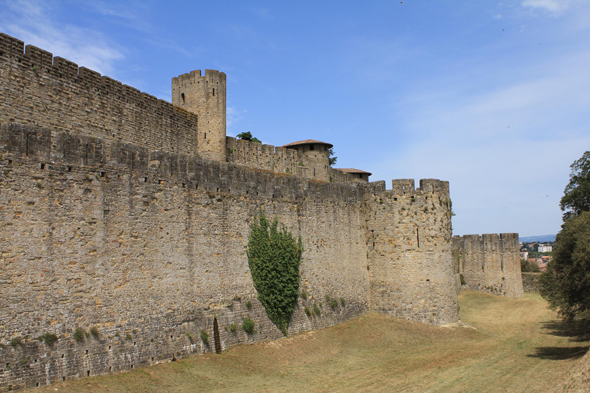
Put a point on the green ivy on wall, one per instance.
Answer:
(274, 258)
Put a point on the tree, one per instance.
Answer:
(528, 267)
(576, 197)
(274, 258)
(566, 283)
(332, 158)
(247, 136)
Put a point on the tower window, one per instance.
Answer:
(204, 135)
(214, 92)
(182, 95)
(311, 147)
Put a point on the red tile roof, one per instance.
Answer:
(307, 142)
(352, 170)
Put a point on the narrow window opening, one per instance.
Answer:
(132, 161)
(196, 186)
(418, 236)
(86, 352)
(102, 174)
(135, 343)
(109, 347)
(218, 190)
(213, 92)
(88, 373)
(62, 355)
(152, 359)
(182, 95)
(9, 162)
(69, 169)
(183, 185)
(204, 135)
(311, 147)
(111, 369)
(63, 378)
(216, 336)
(132, 366)
(37, 384)
(27, 146)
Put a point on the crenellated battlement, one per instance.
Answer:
(490, 262)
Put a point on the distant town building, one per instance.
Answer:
(545, 248)
(524, 255)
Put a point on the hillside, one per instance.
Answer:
(540, 239)
(517, 346)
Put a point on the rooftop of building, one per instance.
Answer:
(307, 142)
(353, 170)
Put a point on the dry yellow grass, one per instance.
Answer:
(518, 346)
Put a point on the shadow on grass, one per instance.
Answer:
(559, 353)
(577, 331)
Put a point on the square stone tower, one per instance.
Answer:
(205, 97)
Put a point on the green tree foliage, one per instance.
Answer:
(332, 158)
(274, 258)
(566, 283)
(528, 267)
(247, 136)
(576, 198)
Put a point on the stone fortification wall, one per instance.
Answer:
(38, 89)
(409, 252)
(205, 96)
(279, 160)
(490, 263)
(150, 248)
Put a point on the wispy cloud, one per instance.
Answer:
(234, 116)
(32, 22)
(506, 151)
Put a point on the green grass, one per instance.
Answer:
(517, 346)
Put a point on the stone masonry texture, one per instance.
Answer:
(111, 221)
(490, 263)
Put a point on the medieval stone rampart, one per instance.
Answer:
(110, 219)
(490, 263)
(409, 251)
(38, 89)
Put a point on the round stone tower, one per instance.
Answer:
(204, 96)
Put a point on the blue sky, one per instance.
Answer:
(491, 96)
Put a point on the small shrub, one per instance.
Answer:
(333, 303)
(23, 361)
(16, 341)
(249, 305)
(328, 298)
(248, 326)
(94, 331)
(190, 336)
(303, 295)
(463, 282)
(342, 302)
(204, 336)
(78, 334)
(134, 331)
(233, 327)
(307, 311)
(129, 337)
(49, 339)
(316, 310)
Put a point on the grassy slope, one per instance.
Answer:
(518, 347)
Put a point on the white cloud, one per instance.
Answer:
(505, 152)
(31, 21)
(547, 5)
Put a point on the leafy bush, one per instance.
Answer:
(78, 334)
(342, 301)
(274, 258)
(204, 336)
(528, 267)
(16, 341)
(49, 339)
(190, 336)
(463, 282)
(303, 295)
(316, 310)
(307, 311)
(249, 305)
(333, 304)
(94, 331)
(248, 326)
(233, 327)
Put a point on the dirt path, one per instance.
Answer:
(517, 346)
